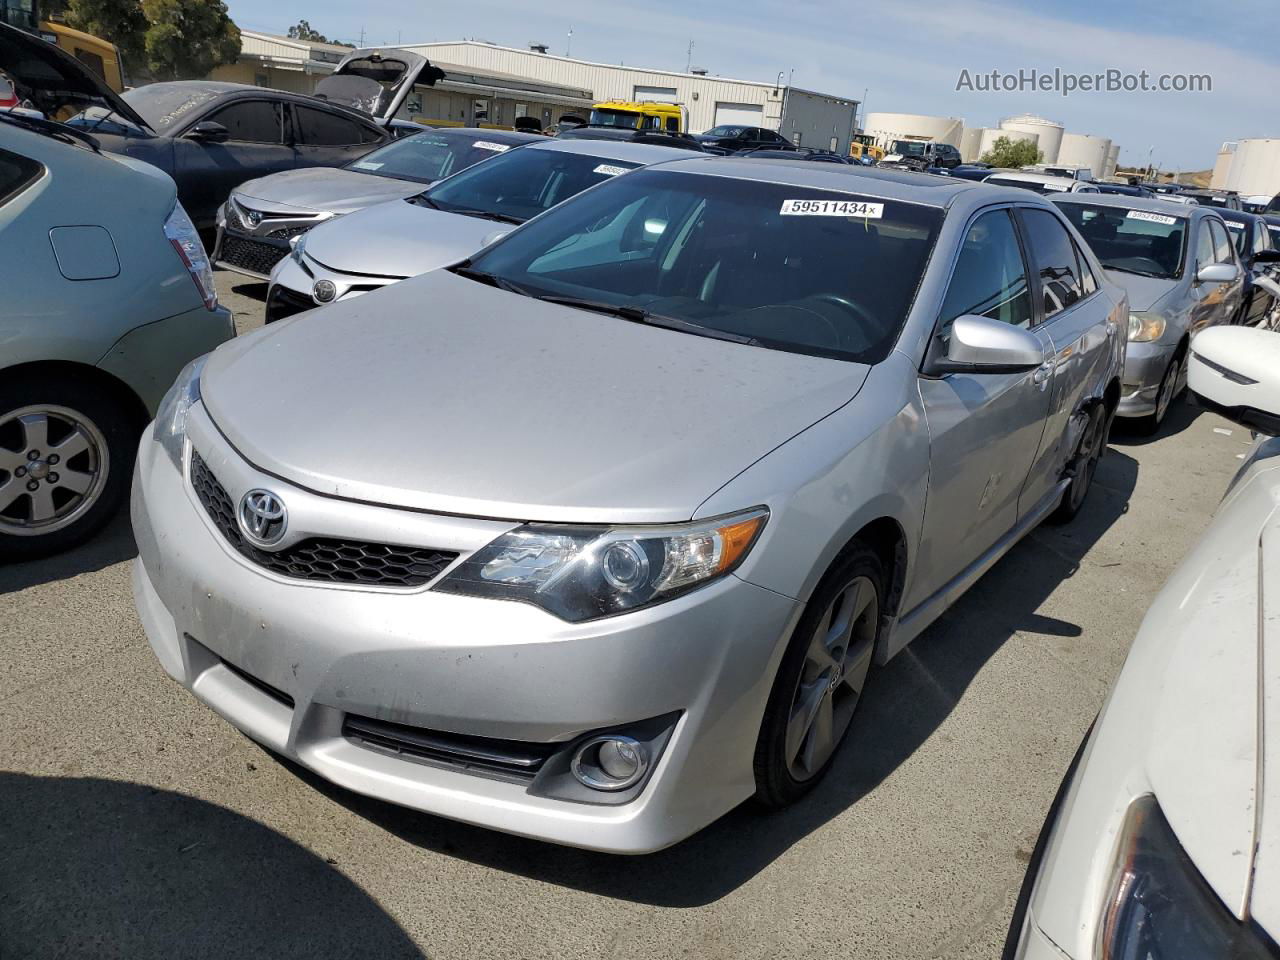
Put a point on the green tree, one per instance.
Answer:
(1006, 152)
(188, 38)
(303, 31)
(118, 21)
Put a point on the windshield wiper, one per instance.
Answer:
(480, 276)
(58, 131)
(1137, 273)
(482, 214)
(640, 315)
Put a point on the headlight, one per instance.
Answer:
(171, 417)
(1160, 908)
(182, 234)
(1145, 327)
(297, 246)
(582, 573)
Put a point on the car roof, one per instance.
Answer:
(643, 153)
(1239, 216)
(882, 182)
(1124, 201)
(1023, 177)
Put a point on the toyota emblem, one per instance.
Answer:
(325, 291)
(253, 217)
(262, 518)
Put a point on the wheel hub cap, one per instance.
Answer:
(53, 463)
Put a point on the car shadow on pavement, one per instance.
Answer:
(110, 545)
(101, 868)
(908, 700)
(1182, 414)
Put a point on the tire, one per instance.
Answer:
(821, 679)
(1149, 424)
(1093, 444)
(66, 459)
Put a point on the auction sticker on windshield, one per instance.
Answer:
(490, 145)
(832, 208)
(1151, 217)
(610, 169)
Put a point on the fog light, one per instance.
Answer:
(613, 762)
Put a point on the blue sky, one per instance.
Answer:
(906, 55)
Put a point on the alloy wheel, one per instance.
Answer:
(53, 465)
(831, 681)
(1168, 389)
(1091, 446)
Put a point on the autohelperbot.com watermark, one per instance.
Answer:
(1065, 82)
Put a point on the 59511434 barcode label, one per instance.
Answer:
(832, 208)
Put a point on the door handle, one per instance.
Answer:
(1042, 373)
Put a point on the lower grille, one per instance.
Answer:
(513, 760)
(283, 302)
(320, 558)
(277, 695)
(251, 255)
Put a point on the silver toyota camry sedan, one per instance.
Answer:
(595, 535)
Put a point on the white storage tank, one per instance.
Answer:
(970, 141)
(1049, 133)
(991, 134)
(1222, 166)
(1255, 168)
(1085, 150)
(1113, 160)
(888, 127)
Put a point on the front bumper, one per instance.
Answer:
(289, 661)
(254, 235)
(1144, 367)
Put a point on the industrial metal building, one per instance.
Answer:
(805, 117)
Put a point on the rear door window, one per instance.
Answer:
(1053, 253)
(320, 128)
(1223, 249)
(252, 121)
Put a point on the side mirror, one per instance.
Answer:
(1235, 371)
(209, 131)
(982, 345)
(1218, 273)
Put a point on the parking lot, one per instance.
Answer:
(136, 823)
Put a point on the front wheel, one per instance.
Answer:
(66, 455)
(1092, 446)
(821, 679)
(1170, 383)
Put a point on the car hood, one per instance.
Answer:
(1203, 699)
(1145, 293)
(54, 79)
(327, 189)
(458, 397)
(399, 239)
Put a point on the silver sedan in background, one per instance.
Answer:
(598, 533)
(262, 216)
(451, 220)
(1179, 266)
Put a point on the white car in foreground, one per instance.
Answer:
(1165, 841)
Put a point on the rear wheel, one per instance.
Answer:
(66, 455)
(821, 679)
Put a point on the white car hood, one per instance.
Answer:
(399, 239)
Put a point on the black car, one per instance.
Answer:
(971, 171)
(804, 153)
(661, 138)
(921, 155)
(736, 138)
(211, 137)
(1165, 188)
(1258, 253)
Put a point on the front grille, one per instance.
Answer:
(251, 255)
(320, 558)
(513, 760)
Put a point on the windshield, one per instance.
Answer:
(791, 268)
(1132, 241)
(615, 118)
(724, 131)
(427, 157)
(909, 148)
(1038, 186)
(164, 105)
(522, 183)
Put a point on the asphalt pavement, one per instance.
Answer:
(136, 823)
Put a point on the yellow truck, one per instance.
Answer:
(639, 115)
(864, 145)
(95, 53)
